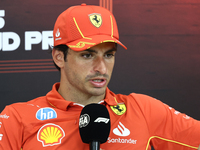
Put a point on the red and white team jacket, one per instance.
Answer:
(137, 122)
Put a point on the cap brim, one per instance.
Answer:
(88, 42)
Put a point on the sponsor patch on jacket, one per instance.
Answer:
(123, 134)
(119, 109)
(121, 130)
(4, 116)
(46, 113)
(50, 134)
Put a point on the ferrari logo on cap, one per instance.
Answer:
(81, 44)
(96, 19)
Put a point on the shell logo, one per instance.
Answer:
(50, 134)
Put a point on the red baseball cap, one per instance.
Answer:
(83, 26)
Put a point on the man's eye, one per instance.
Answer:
(109, 55)
(88, 55)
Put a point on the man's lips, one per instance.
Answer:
(98, 82)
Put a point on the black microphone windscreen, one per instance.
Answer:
(94, 123)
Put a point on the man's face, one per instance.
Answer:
(89, 72)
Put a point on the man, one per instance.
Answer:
(84, 50)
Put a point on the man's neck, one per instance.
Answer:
(80, 98)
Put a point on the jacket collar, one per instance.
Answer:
(57, 101)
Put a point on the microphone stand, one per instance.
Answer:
(94, 145)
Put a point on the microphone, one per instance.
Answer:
(94, 125)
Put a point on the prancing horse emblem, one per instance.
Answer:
(119, 109)
(96, 19)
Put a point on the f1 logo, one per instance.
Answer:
(101, 119)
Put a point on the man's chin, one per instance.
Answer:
(98, 91)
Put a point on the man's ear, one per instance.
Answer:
(58, 58)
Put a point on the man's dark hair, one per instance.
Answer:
(63, 48)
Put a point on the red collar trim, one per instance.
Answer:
(57, 101)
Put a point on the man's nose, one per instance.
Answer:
(100, 66)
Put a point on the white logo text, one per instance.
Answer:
(119, 140)
(101, 119)
(4, 116)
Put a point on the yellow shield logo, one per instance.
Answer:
(50, 135)
(119, 109)
(96, 19)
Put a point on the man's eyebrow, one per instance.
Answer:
(112, 50)
(108, 51)
(90, 50)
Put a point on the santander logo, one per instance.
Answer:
(58, 33)
(121, 130)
